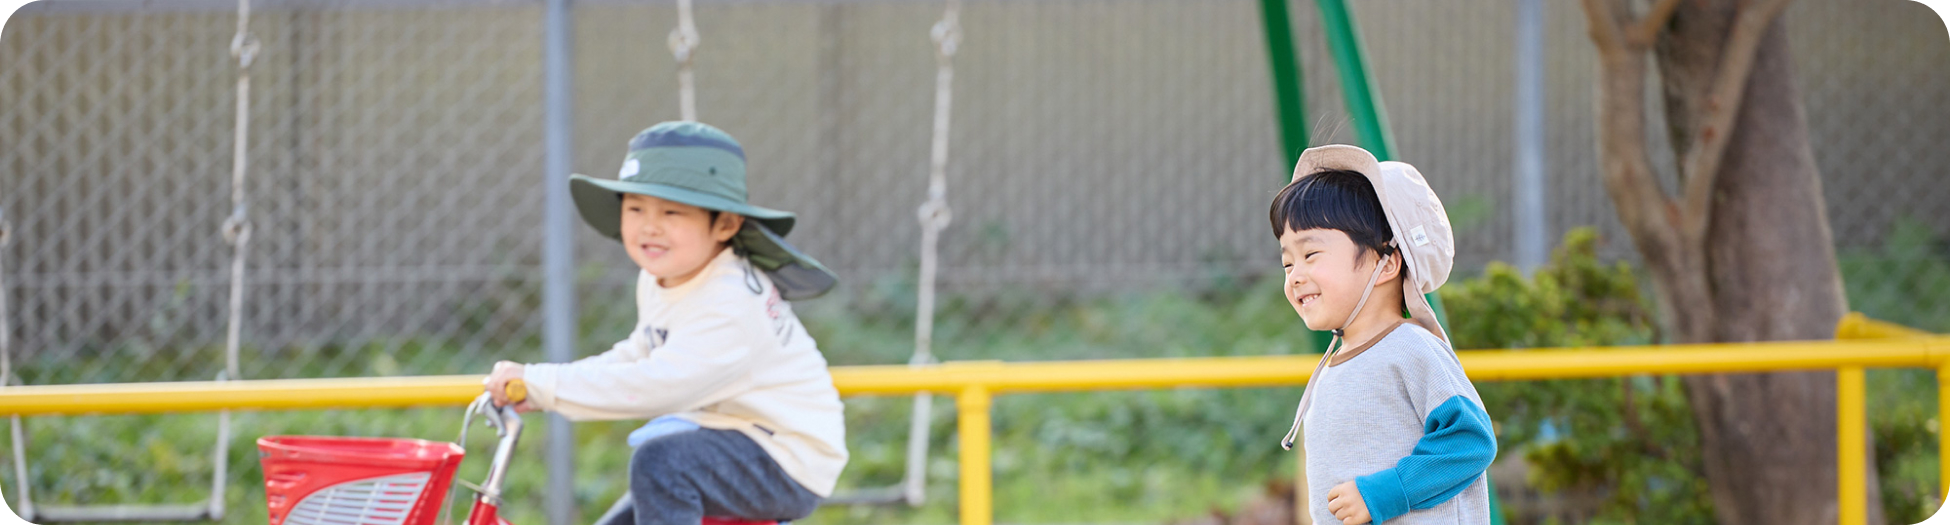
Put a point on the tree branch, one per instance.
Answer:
(1604, 27)
(1646, 210)
(1655, 20)
(1652, 215)
(1701, 167)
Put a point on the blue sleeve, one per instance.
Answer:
(1456, 447)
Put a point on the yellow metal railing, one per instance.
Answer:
(974, 385)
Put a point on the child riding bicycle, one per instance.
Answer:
(746, 422)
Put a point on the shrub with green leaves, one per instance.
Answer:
(1630, 440)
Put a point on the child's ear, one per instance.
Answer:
(727, 226)
(1391, 266)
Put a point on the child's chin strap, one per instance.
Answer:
(1333, 347)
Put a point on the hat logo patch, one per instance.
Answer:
(630, 168)
(1418, 236)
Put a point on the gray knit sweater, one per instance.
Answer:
(1398, 417)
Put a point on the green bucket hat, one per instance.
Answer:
(696, 164)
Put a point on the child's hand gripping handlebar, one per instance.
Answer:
(516, 391)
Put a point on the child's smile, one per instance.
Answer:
(652, 250)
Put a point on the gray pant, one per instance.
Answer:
(680, 478)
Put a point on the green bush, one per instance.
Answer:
(1633, 439)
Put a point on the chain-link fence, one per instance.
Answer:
(1101, 149)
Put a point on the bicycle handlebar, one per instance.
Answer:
(516, 390)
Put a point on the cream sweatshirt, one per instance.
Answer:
(722, 350)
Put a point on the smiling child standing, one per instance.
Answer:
(1394, 432)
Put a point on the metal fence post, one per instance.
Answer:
(1851, 427)
(1528, 224)
(977, 485)
(558, 246)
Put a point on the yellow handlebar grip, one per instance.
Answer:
(516, 390)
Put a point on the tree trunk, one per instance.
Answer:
(1769, 439)
(1743, 254)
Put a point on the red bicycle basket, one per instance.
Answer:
(316, 480)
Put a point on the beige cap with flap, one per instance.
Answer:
(1415, 215)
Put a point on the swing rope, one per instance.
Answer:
(236, 230)
(934, 214)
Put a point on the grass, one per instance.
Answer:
(1109, 457)
(1059, 458)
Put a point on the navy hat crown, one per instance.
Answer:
(680, 134)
